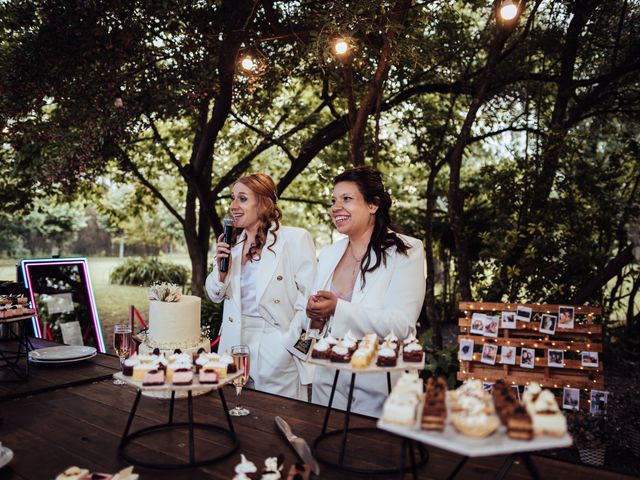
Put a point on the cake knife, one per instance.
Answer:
(299, 444)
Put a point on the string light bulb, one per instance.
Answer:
(248, 64)
(508, 10)
(341, 46)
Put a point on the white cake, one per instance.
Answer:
(174, 325)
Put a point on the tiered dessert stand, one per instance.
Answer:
(344, 432)
(190, 425)
(496, 444)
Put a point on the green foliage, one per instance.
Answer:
(440, 362)
(211, 317)
(146, 271)
(622, 348)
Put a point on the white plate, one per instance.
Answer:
(60, 362)
(5, 456)
(63, 352)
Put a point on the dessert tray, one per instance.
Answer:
(372, 368)
(497, 443)
(167, 388)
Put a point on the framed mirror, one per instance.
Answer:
(61, 293)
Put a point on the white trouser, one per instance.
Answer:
(272, 368)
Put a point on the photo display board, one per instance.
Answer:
(557, 346)
(60, 291)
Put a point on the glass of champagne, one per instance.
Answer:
(121, 342)
(240, 355)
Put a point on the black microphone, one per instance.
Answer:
(228, 230)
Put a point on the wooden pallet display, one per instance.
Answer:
(585, 336)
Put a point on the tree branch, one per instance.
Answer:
(158, 138)
(128, 164)
(267, 136)
(613, 268)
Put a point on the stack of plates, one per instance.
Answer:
(61, 354)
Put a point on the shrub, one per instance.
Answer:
(146, 271)
(440, 362)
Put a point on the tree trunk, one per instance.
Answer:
(430, 301)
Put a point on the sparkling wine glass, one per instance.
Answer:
(121, 343)
(240, 355)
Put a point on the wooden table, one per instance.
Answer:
(72, 415)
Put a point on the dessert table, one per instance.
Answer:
(74, 415)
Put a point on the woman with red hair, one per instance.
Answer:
(271, 270)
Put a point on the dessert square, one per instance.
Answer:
(153, 377)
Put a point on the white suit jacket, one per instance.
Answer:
(391, 300)
(283, 283)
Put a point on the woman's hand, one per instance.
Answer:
(223, 250)
(320, 307)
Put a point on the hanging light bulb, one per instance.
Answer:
(341, 46)
(248, 64)
(508, 10)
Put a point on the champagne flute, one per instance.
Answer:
(240, 355)
(121, 343)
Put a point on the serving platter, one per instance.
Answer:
(372, 368)
(167, 388)
(497, 443)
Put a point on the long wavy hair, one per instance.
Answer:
(383, 237)
(269, 212)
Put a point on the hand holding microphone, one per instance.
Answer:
(223, 249)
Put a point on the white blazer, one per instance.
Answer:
(283, 283)
(390, 301)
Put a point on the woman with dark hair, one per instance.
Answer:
(371, 281)
(271, 270)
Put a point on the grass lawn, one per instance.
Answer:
(112, 300)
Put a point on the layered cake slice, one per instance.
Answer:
(340, 354)
(434, 412)
(182, 376)
(519, 424)
(434, 415)
(387, 355)
(412, 352)
(545, 414)
(208, 375)
(153, 377)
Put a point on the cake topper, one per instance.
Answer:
(165, 292)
